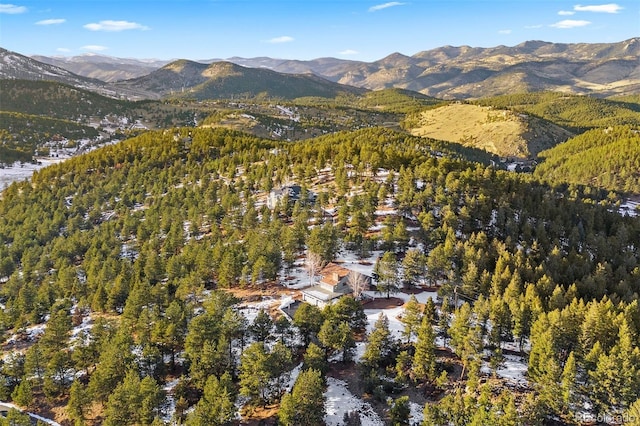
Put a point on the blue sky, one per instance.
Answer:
(301, 29)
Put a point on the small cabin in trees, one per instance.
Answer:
(335, 281)
(291, 192)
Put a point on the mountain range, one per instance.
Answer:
(448, 72)
(225, 80)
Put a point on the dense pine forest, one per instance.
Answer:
(605, 158)
(573, 111)
(136, 256)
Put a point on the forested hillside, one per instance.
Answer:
(573, 111)
(57, 100)
(21, 135)
(128, 254)
(606, 158)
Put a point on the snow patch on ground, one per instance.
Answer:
(30, 334)
(44, 420)
(22, 171)
(32, 415)
(513, 370)
(417, 413)
(629, 208)
(170, 402)
(293, 377)
(339, 400)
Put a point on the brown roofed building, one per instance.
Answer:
(334, 283)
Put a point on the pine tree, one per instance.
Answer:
(400, 411)
(379, 343)
(337, 336)
(134, 401)
(350, 310)
(216, 407)
(633, 413)
(35, 362)
(424, 359)
(411, 318)
(261, 327)
(255, 373)
(23, 394)
(568, 383)
(305, 404)
(414, 266)
(16, 418)
(315, 359)
(280, 363)
(308, 318)
(386, 269)
(79, 401)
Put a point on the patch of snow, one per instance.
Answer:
(629, 208)
(23, 171)
(417, 413)
(395, 325)
(513, 370)
(170, 405)
(339, 400)
(293, 376)
(44, 420)
(32, 415)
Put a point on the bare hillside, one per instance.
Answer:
(501, 132)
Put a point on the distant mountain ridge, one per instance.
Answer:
(16, 66)
(464, 72)
(102, 67)
(224, 80)
(447, 72)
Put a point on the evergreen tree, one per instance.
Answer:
(400, 411)
(380, 344)
(305, 404)
(337, 336)
(349, 310)
(568, 383)
(386, 269)
(134, 401)
(315, 359)
(23, 394)
(261, 327)
(78, 403)
(424, 358)
(308, 318)
(216, 407)
(412, 317)
(414, 267)
(16, 418)
(255, 373)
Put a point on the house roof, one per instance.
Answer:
(293, 191)
(320, 293)
(333, 273)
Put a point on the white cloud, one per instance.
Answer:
(566, 13)
(601, 8)
(113, 26)
(12, 9)
(349, 52)
(385, 6)
(51, 22)
(532, 27)
(504, 32)
(63, 50)
(282, 39)
(94, 48)
(570, 23)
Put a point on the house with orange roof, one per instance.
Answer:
(335, 281)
